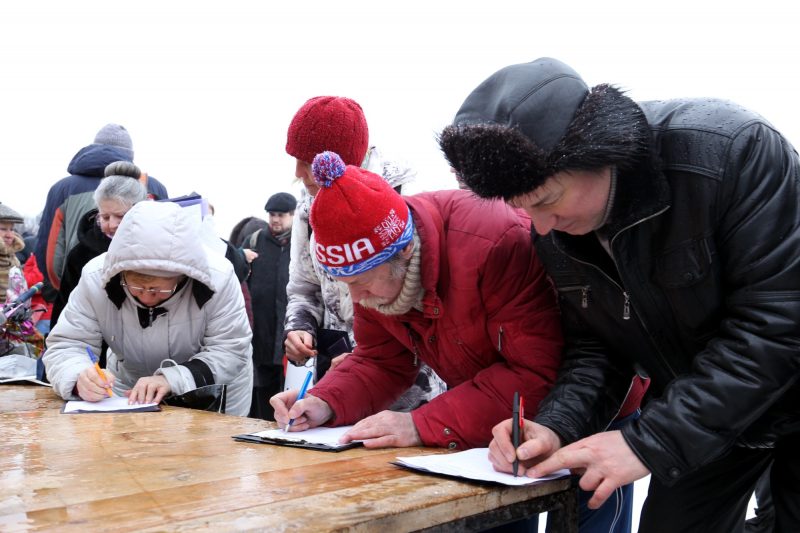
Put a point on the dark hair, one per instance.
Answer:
(245, 227)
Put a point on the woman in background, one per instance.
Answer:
(115, 195)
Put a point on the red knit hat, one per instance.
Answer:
(330, 123)
(359, 221)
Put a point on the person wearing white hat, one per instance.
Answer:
(172, 314)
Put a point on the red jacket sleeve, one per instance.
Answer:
(370, 379)
(523, 320)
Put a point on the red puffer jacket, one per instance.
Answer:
(489, 327)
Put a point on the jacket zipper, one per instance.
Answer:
(150, 315)
(626, 306)
(584, 293)
(414, 349)
(500, 340)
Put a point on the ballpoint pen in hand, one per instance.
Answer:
(517, 423)
(300, 395)
(102, 374)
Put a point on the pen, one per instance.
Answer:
(517, 422)
(102, 374)
(300, 396)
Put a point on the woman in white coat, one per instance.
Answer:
(170, 310)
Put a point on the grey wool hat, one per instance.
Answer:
(115, 135)
(282, 202)
(9, 215)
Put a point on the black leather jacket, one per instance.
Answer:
(702, 294)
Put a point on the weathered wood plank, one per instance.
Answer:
(180, 470)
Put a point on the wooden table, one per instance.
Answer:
(180, 470)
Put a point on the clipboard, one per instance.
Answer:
(321, 439)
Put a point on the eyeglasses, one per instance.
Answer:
(141, 290)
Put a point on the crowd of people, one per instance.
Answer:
(629, 268)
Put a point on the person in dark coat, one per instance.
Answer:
(244, 228)
(671, 230)
(71, 197)
(269, 275)
(115, 195)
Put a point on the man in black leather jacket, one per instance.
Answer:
(671, 230)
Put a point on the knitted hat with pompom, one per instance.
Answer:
(359, 221)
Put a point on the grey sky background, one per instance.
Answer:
(207, 89)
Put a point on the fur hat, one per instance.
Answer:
(281, 202)
(9, 215)
(359, 221)
(527, 122)
(330, 123)
(115, 135)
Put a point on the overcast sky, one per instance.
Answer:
(207, 89)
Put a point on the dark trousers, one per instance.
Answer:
(715, 497)
(267, 382)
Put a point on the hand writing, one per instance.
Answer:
(308, 413)
(538, 443)
(91, 387)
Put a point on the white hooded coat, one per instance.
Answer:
(205, 323)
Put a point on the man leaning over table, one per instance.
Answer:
(671, 230)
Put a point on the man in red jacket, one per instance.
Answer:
(440, 277)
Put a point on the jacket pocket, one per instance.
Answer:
(578, 294)
(689, 276)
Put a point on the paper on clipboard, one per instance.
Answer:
(322, 438)
(115, 404)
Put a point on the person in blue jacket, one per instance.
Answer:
(70, 198)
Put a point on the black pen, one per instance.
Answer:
(517, 421)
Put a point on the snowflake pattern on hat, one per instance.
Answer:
(390, 228)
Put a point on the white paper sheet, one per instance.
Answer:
(327, 436)
(470, 464)
(107, 405)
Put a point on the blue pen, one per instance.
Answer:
(102, 374)
(300, 396)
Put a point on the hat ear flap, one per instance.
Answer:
(494, 161)
(608, 129)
